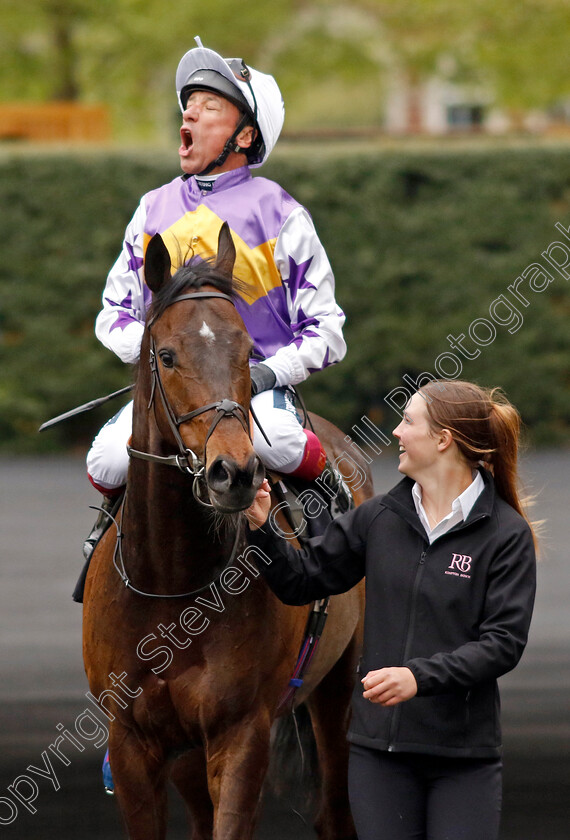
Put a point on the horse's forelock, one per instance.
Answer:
(193, 276)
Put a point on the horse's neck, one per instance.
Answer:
(167, 533)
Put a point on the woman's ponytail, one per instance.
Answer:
(505, 424)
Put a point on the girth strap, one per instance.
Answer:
(313, 633)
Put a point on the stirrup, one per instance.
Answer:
(338, 494)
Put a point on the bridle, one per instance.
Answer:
(186, 460)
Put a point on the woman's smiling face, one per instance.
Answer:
(418, 441)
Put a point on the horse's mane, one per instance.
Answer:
(196, 273)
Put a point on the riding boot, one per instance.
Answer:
(109, 507)
(337, 492)
(316, 469)
(108, 782)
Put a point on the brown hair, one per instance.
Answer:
(485, 427)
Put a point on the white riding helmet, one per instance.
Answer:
(256, 94)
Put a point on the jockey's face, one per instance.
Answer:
(208, 121)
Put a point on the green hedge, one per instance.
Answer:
(422, 244)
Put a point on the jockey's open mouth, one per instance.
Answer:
(186, 138)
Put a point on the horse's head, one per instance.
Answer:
(199, 357)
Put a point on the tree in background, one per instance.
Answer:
(122, 52)
(334, 60)
(514, 48)
(523, 49)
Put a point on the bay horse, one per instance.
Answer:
(186, 650)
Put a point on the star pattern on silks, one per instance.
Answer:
(306, 334)
(123, 318)
(303, 322)
(134, 262)
(297, 277)
(325, 364)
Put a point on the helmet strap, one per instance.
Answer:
(229, 146)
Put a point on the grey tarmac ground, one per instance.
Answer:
(44, 515)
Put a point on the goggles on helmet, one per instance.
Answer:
(255, 94)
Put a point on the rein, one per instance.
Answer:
(119, 563)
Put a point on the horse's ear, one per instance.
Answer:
(226, 251)
(156, 264)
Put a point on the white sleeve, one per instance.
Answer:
(120, 324)
(316, 319)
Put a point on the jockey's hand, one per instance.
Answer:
(259, 510)
(262, 378)
(389, 686)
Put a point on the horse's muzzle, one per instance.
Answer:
(232, 487)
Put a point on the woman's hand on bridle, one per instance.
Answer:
(258, 512)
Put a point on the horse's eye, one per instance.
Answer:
(166, 358)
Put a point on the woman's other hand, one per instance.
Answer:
(389, 686)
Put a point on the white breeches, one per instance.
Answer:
(108, 461)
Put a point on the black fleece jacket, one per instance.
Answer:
(456, 613)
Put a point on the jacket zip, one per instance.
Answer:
(411, 621)
(397, 711)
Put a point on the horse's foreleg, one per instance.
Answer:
(329, 706)
(189, 776)
(139, 775)
(237, 762)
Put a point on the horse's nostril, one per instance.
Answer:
(221, 474)
(257, 470)
(224, 474)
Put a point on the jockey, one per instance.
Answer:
(232, 116)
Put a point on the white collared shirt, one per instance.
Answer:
(460, 508)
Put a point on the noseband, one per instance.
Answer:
(186, 460)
